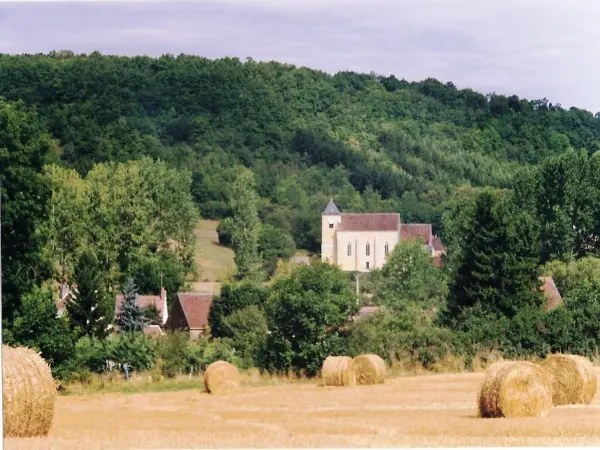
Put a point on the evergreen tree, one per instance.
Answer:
(497, 274)
(89, 308)
(246, 226)
(131, 317)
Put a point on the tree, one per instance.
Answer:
(246, 226)
(247, 330)
(564, 195)
(224, 230)
(234, 297)
(306, 313)
(274, 244)
(89, 310)
(38, 326)
(497, 274)
(65, 232)
(131, 316)
(24, 149)
(569, 275)
(410, 278)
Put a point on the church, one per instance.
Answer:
(362, 242)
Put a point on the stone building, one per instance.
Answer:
(362, 242)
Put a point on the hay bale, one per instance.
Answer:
(573, 379)
(370, 369)
(28, 393)
(515, 389)
(338, 371)
(221, 378)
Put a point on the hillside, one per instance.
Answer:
(213, 261)
(374, 143)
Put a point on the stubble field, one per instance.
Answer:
(429, 410)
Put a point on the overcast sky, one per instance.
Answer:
(532, 48)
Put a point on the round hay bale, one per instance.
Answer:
(573, 379)
(221, 378)
(515, 389)
(28, 393)
(338, 371)
(370, 369)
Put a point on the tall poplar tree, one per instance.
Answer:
(246, 226)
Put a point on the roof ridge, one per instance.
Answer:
(370, 214)
(195, 293)
(184, 311)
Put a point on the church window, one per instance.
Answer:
(386, 249)
(368, 249)
(349, 249)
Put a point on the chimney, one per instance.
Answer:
(163, 298)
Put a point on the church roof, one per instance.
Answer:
(370, 222)
(331, 209)
(416, 230)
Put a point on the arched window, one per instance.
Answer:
(386, 249)
(349, 249)
(368, 249)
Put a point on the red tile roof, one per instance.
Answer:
(370, 222)
(415, 230)
(437, 244)
(144, 301)
(195, 308)
(550, 291)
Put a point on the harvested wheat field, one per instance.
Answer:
(431, 410)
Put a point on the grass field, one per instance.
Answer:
(213, 260)
(426, 410)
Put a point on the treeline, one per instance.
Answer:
(105, 162)
(374, 143)
(87, 233)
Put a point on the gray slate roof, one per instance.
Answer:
(331, 209)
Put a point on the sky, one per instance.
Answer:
(532, 48)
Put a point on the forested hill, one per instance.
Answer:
(374, 143)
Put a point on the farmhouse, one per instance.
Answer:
(362, 242)
(189, 312)
(156, 302)
(550, 291)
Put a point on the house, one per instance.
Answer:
(550, 291)
(301, 259)
(159, 302)
(65, 295)
(362, 242)
(364, 312)
(189, 312)
(153, 330)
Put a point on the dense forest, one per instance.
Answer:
(106, 162)
(374, 143)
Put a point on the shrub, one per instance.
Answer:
(247, 334)
(134, 349)
(91, 354)
(225, 230)
(274, 244)
(233, 297)
(173, 353)
(206, 351)
(399, 336)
